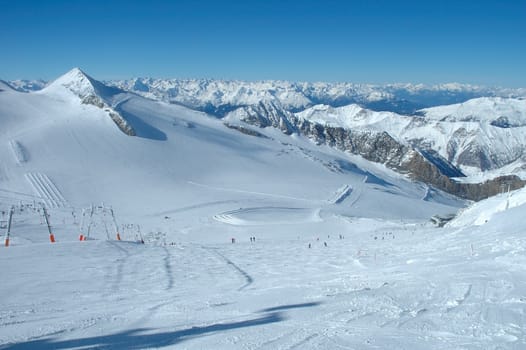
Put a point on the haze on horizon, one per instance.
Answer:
(362, 42)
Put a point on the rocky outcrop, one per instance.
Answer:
(422, 170)
(265, 114)
(245, 130)
(119, 120)
(121, 123)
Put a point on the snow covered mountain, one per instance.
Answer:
(438, 151)
(220, 97)
(344, 253)
(91, 91)
(478, 135)
(25, 85)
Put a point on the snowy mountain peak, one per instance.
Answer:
(76, 84)
(503, 112)
(352, 116)
(76, 81)
(81, 85)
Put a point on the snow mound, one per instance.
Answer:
(483, 211)
(19, 152)
(268, 216)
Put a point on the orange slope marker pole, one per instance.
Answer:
(115, 223)
(51, 235)
(81, 236)
(8, 234)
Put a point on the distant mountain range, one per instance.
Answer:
(219, 97)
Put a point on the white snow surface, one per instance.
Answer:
(344, 255)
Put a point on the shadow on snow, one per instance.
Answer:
(291, 306)
(137, 339)
(142, 128)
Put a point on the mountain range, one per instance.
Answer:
(464, 139)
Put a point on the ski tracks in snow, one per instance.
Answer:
(248, 278)
(116, 278)
(263, 194)
(167, 260)
(46, 190)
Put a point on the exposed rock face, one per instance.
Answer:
(245, 130)
(93, 100)
(489, 188)
(474, 156)
(376, 147)
(265, 114)
(121, 123)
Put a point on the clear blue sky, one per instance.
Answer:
(369, 41)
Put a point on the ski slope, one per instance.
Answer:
(386, 284)
(344, 255)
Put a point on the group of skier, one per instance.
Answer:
(252, 239)
(325, 242)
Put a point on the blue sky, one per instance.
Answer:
(369, 41)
